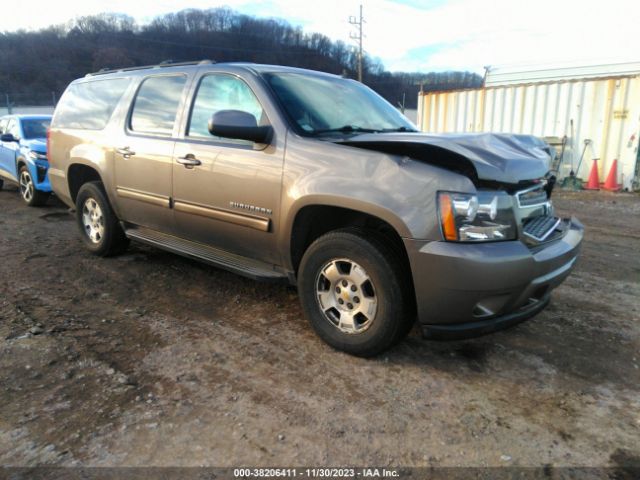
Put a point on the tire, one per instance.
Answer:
(1, 183)
(349, 271)
(27, 189)
(99, 227)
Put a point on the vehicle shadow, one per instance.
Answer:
(551, 347)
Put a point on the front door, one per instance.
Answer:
(144, 153)
(9, 150)
(230, 197)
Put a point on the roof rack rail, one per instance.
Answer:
(163, 64)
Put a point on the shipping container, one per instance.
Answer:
(603, 106)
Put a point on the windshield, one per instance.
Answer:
(35, 127)
(324, 105)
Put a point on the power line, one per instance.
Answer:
(357, 22)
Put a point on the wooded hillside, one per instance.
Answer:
(37, 65)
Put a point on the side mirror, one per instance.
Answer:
(239, 125)
(8, 137)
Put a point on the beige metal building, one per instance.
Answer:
(600, 103)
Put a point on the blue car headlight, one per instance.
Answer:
(37, 155)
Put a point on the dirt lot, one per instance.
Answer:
(151, 359)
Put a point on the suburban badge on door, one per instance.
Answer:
(251, 208)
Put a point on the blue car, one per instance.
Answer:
(23, 155)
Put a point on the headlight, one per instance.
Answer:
(485, 217)
(37, 156)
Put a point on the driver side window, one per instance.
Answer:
(221, 92)
(13, 128)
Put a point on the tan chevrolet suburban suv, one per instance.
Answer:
(286, 174)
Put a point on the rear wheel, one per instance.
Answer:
(355, 293)
(28, 192)
(1, 183)
(100, 229)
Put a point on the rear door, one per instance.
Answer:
(230, 199)
(144, 152)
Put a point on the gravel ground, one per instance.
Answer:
(151, 359)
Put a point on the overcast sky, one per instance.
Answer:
(414, 35)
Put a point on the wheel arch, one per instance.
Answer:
(20, 162)
(77, 175)
(24, 161)
(312, 220)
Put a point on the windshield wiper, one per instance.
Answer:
(346, 129)
(399, 129)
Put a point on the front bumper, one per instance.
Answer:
(39, 170)
(466, 290)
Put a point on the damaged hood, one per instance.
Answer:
(507, 158)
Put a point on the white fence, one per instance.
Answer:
(44, 110)
(605, 111)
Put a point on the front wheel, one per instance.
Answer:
(28, 192)
(355, 292)
(99, 226)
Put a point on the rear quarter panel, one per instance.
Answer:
(77, 147)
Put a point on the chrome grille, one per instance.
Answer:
(539, 228)
(532, 197)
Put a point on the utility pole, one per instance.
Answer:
(357, 22)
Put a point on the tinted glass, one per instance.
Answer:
(221, 92)
(319, 103)
(156, 105)
(3, 125)
(35, 127)
(89, 105)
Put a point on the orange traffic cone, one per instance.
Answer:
(594, 180)
(611, 183)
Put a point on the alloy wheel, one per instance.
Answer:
(93, 220)
(346, 295)
(26, 186)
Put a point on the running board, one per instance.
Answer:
(219, 258)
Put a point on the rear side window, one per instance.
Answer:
(156, 105)
(89, 105)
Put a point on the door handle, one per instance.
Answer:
(125, 152)
(189, 161)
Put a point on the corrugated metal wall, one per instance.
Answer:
(606, 111)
